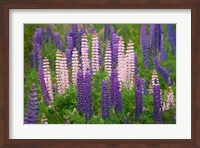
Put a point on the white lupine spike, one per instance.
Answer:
(47, 77)
(58, 72)
(75, 65)
(121, 60)
(64, 73)
(130, 65)
(85, 52)
(169, 101)
(108, 60)
(95, 53)
(44, 120)
(152, 84)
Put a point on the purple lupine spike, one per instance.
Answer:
(32, 58)
(60, 45)
(144, 46)
(113, 76)
(38, 36)
(138, 99)
(158, 34)
(152, 39)
(157, 104)
(68, 54)
(162, 71)
(70, 47)
(80, 91)
(136, 63)
(144, 88)
(92, 30)
(163, 52)
(56, 38)
(105, 97)
(74, 34)
(38, 51)
(171, 37)
(43, 87)
(88, 95)
(30, 117)
(106, 31)
(117, 95)
(114, 49)
(48, 33)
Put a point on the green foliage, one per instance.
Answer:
(64, 108)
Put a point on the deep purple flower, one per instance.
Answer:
(92, 30)
(144, 46)
(163, 52)
(171, 37)
(30, 117)
(105, 97)
(48, 33)
(87, 95)
(138, 98)
(56, 38)
(106, 31)
(80, 91)
(43, 87)
(38, 36)
(157, 104)
(114, 49)
(75, 34)
(113, 76)
(144, 88)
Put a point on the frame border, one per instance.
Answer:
(5, 5)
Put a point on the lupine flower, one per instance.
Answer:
(30, 117)
(158, 34)
(60, 45)
(163, 52)
(74, 34)
(157, 103)
(136, 63)
(106, 31)
(171, 37)
(114, 48)
(56, 38)
(88, 95)
(154, 78)
(44, 120)
(144, 46)
(130, 65)
(144, 88)
(162, 71)
(105, 97)
(108, 60)
(58, 72)
(138, 98)
(38, 36)
(117, 96)
(48, 33)
(81, 33)
(64, 73)
(47, 77)
(45, 93)
(113, 76)
(70, 47)
(32, 58)
(121, 62)
(75, 65)
(169, 101)
(84, 52)
(92, 30)
(100, 56)
(80, 91)
(95, 53)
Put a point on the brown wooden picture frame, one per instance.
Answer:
(6, 5)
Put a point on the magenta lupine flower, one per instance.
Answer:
(171, 37)
(75, 65)
(105, 97)
(144, 46)
(108, 58)
(85, 54)
(106, 32)
(87, 95)
(30, 116)
(47, 77)
(95, 53)
(157, 103)
(80, 91)
(138, 99)
(46, 97)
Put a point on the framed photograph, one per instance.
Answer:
(106, 74)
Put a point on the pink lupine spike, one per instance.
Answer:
(108, 58)
(58, 72)
(95, 53)
(47, 77)
(64, 73)
(169, 101)
(75, 65)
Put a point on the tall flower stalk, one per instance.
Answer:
(75, 65)
(58, 72)
(30, 117)
(138, 99)
(95, 53)
(171, 37)
(105, 97)
(169, 101)
(64, 72)
(108, 58)
(80, 91)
